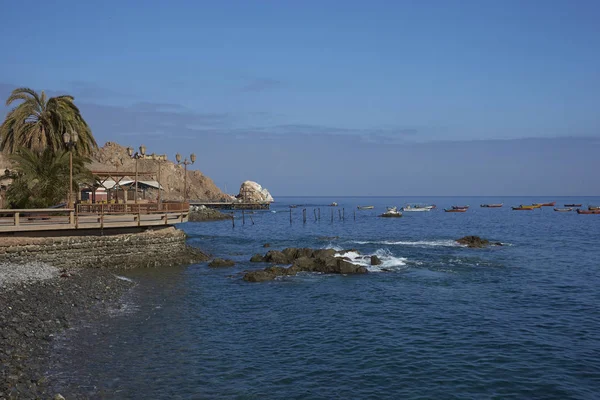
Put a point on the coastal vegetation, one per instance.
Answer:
(38, 123)
(42, 180)
(33, 135)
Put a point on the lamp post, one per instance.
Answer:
(136, 156)
(185, 164)
(159, 158)
(70, 140)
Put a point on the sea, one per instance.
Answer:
(435, 320)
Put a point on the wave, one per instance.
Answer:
(415, 243)
(389, 262)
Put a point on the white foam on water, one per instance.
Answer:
(124, 278)
(415, 243)
(388, 260)
(332, 246)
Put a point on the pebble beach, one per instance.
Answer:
(37, 303)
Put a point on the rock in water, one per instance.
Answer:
(252, 192)
(220, 262)
(473, 241)
(303, 260)
(375, 260)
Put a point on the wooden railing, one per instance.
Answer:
(93, 216)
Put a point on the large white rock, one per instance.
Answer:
(252, 191)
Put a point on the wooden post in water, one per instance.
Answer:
(233, 219)
(319, 213)
(290, 216)
(243, 218)
(251, 219)
(304, 216)
(315, 212)
(339, 214)
(343, 214)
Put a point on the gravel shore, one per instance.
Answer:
(37, 302)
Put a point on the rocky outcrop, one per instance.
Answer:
(220, 262)
(302, 260)
(202, 213)
(252, 192)
(476, 242)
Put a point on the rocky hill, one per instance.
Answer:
(114, 157)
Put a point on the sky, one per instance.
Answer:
(391, 98)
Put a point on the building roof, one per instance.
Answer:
(110, 184)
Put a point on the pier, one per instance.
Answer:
(247, 205)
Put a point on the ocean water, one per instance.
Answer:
(436, 320)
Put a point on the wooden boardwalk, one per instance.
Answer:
(92, 216)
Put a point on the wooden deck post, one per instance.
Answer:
(72, 217)
(102, 216)
(17, 221)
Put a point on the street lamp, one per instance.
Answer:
(136, 156)
(70, 140)
(159, 158)
(185, 164)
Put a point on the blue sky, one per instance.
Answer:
(331, 97)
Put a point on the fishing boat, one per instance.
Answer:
(334, 204)
(392, 212)
(593, 208)
(523, 208)
(545, 204)
(365, 207)
(460, 207)
(572, 205)
(461, 210)
(416, 208)
(498, 205)
(528, 206)
(580, 211)
(563, 209)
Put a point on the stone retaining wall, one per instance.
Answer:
(153, 247)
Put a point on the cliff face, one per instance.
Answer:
(113, 157)
(3, 162)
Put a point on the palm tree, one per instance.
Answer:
(39, 122)
(42, 180)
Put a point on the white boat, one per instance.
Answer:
(417, 208)
(365, 207)
(391, 213)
